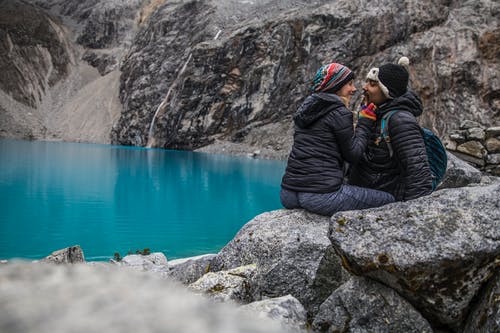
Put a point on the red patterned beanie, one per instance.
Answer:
(331, 78)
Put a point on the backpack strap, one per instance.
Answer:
(384, 131)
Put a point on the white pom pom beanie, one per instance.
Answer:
(392, 78)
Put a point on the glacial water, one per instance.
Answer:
(111, 199)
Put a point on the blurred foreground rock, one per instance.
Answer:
(47, 298)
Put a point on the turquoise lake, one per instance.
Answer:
(111, 199)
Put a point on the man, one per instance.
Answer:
(399, 167)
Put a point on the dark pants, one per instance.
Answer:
(348, 197)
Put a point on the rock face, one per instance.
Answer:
(34, 52)
(185, 85)
(104, 28)
(79, 298)
(48, 92)
(228, 79)
(436, 251)
(198, 73)
(100, 24)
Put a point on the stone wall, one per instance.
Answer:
(478, 145)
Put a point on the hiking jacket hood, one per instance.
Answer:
(314, 107)
(408, 102)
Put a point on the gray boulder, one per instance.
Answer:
(286, 309)
(46, 298)
(155, 262)
(459, 173)
(292, 253)
(436, 251)
(485, 316)
(69, 255)
(232, 285)
(188, 270)
(363, 305)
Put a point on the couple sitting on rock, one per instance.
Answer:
(325, 139)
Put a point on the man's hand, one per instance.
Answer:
(368, 112)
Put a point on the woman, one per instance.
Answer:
(324, 139)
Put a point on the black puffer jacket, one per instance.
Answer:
(324, 137)
(406, 175)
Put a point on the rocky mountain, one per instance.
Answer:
(207, 73)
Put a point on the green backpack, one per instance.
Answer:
(436, 153)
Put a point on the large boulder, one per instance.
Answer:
(292, 253)
(69, 255)
(459, 173)
(436, 251)
(155, 262)
(46, 298)
(188, 270)
(363, 305)
(231, 285)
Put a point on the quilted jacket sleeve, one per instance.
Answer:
(351, 141)
(409, 149)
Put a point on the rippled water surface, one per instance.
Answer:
(113, 199)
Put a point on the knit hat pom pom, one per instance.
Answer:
(404, 61)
